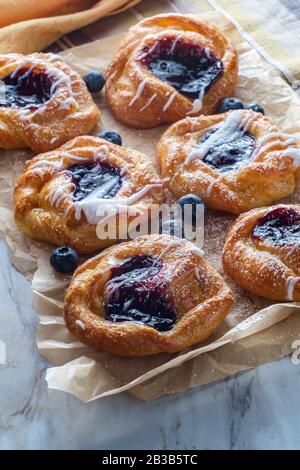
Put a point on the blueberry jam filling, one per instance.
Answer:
(229, 156)
(87, 178)
(136, 293)
(187, 67)
(279, 227)
(26, 88)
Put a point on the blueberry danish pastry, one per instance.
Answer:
(154, 294)
(168, 67)
(43, 103)
(66, 196)
(235, 161)
(262, 252)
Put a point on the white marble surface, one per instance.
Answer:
(256, 410)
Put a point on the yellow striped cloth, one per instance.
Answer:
(271, 26)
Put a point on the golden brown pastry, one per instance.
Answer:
(235, 161)
(154, 294)
(43, 102)
(262, 252)
(168, 67)
(62, 196)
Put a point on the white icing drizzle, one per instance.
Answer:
(290, 286)
(144, 54)
(234, 127)
(60, 194)
(54, 57)
(207, 52)
(80, 324)
(276, 135)
(197, 103)
(197, 273)
(42, 167)
(278, 139)
(174, 43)
(169, 101)
(148, 102)
(93, 202)
(139, 92)
(117, 282)
(246, 122)
(111, 261)
(227, 132)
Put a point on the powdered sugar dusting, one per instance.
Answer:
(139, 92)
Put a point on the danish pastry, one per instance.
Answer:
(262, 252)
(43, 102)
(235, 161)
(62, 195)
(168, 67)
(153, 294)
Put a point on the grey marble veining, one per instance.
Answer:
(255, 410)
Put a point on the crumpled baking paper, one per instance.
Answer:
(256, 331)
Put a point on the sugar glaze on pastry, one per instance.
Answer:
(153, 294)
(62, 196)
(43, 102)
(235, 161)
(168, 67)
(262, 252)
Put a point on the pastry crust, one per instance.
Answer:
(201, 297)
(267, 270)
(43, 195)
(69, 112)
(267, 176)
(140, 99)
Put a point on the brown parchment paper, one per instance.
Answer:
(256, 331)
(33, 25)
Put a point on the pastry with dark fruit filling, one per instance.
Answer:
(234, 161)
(262, 252)
(169, 67)
(153, 294)
(84, 194)
(43, 102)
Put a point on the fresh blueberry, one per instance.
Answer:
(193, 201)
(172, 227)
(111, 136)
(230, 103)
(256, 107)
(94, 80)
(64, 259)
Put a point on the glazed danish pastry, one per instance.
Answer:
(262, 252)
(43, 102)
(235, 161)
(168, 67)
(154, 294)
(63, 196)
